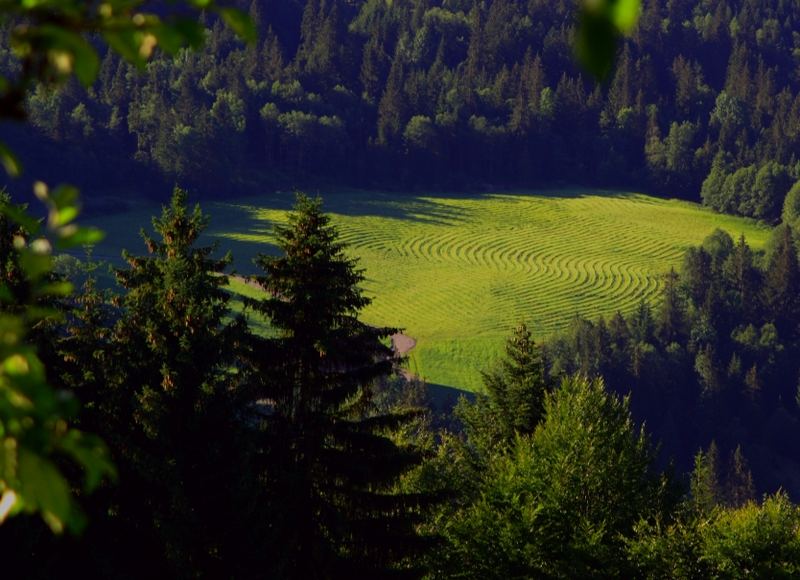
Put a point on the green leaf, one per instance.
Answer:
(65, 196)
(126, 44)
(83, 236)
(192, 31)
(86, 62)
(596, 43)
(34, 265)
(625, 14)
(64, 205)
(61, 289)
(240, 23)
(169, 39)
(91, 454)
(24, 366)
(19, 216)
(5, 294)
(44, 489)
(10, 161)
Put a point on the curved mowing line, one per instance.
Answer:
(459, 283)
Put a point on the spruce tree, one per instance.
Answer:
(514, 399)
(175, 426)
(705, 485)
(672, 313)
(782, 290)
(739, 485)
(331, 462)
(744, 278)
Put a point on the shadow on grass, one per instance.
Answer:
(443, 398)
(245, 216)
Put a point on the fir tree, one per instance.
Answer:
(514, 398)
(739, 485)
(782, 288)
(392, 106)
(175, 426)
(745, 280)
(331, 458)
(705, 485)
(672, 313)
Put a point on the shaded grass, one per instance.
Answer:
(459, 271)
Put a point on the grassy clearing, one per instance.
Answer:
(458, 272)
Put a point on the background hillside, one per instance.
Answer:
(449, 94)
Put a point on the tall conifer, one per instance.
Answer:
(331, 459)
(176, 430)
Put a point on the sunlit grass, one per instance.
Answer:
(458, 272)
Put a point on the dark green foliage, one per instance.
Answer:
(739, 489)
(717, 361)
(705, 487)
(45, 461)
(782, 283)
(791, 207)
(169, 400)
(330, 92)
(671, 323)
(514, 398)
(561, 502)
(331, 462)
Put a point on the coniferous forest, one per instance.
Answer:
(149, 428)
(704, 100)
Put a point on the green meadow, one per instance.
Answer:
(457, 272)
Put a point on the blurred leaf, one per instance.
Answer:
(65, 196)
(240, 23)
(126, 44)
(169, 39)
(11, 329)
(61, 289)
(192, 31)
(596, 44)
(64, 216)
(625, 14)
(19, 216)
(35, 265)
(90, 453)
(10, 161)
(81, 237)
(86, 62)
(35, 313)
(600, 25)
(65, 206)
(5, 294)
(25, 366)
(44, 489)
(8, 501)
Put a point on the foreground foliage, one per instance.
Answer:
(560, 502)
(36, 429)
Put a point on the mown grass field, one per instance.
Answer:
(458, 272)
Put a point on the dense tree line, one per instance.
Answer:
(575, 490)
(468, 94)
(716, 361)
